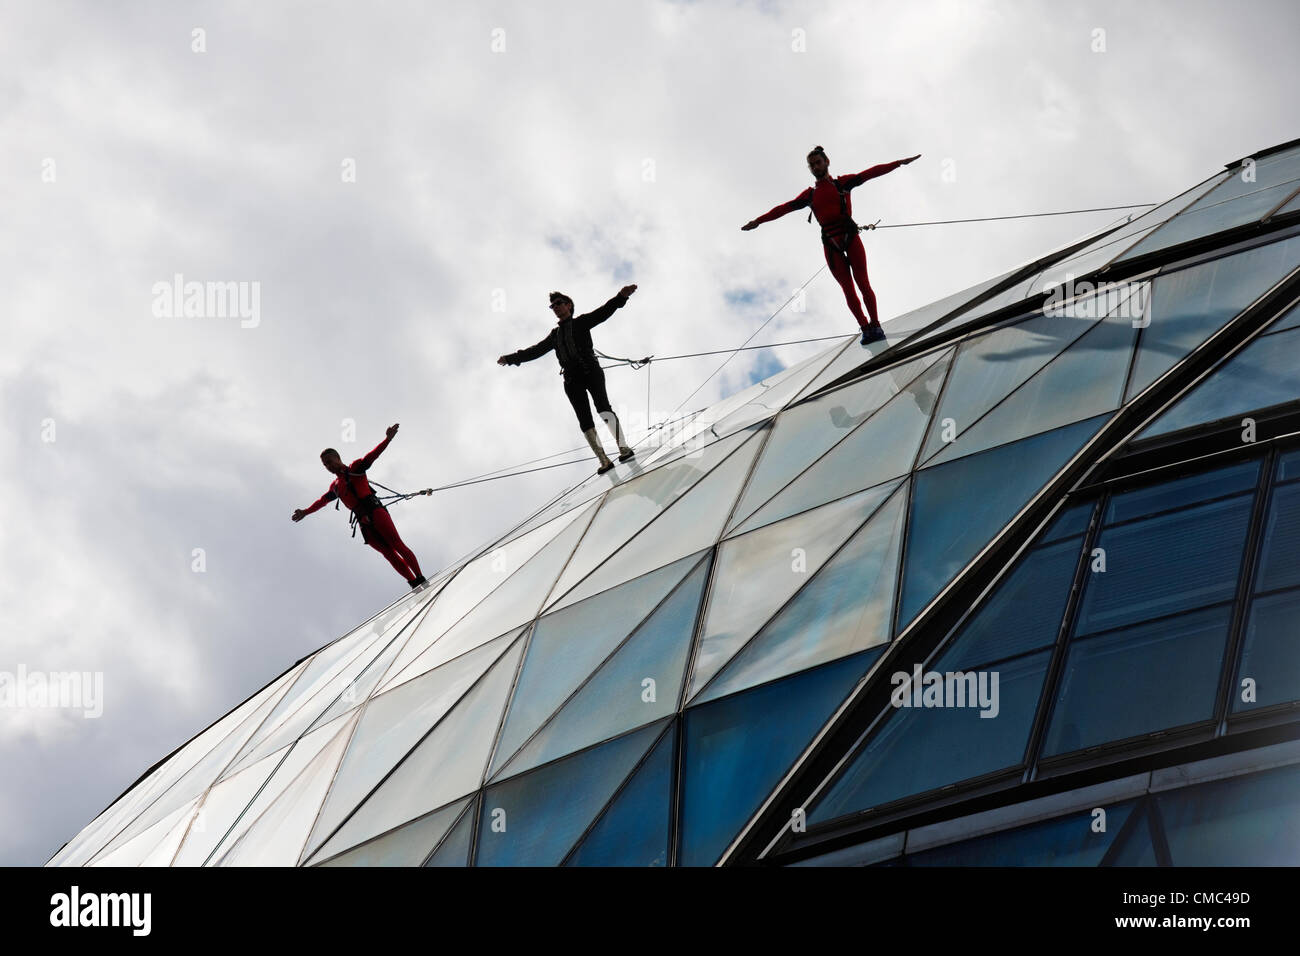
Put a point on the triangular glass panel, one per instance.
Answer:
(634, 504)
(534, 819)
(1190, 305)
(515, 602)
(847, 607)
(882, 447)
(1085, 380)
(454, 849)
(206, 843)
(958, 507)
(392, 724)
(920, 746)
(757, 572)
(476, 581)
(405, 846)
(570, 644)
(633, 831)
(618, 697)
(1237, 201)
(447, 764)
(738, 748)
(693, 523)
(276, 838)
(804, 432)
(994, 365)
(1261, 375)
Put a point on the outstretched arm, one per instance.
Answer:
(857, 179)
(370, 456)
(316, 505)
(530, 353)
(800, 201)
(597, 316)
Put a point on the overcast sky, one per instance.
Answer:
(501, 150)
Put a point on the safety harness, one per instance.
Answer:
(366, 505)
(842, 229)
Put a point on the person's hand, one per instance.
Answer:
(503, 360)
(627, 290)
(910, 158)
(299, 514)
(748, 226)
(392, 430)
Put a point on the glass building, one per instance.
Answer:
(1018, 586)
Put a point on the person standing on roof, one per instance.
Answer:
(841, 242)
(377, 530)
(571, 340)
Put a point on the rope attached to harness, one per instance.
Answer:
(383, 501)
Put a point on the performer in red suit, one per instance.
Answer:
(377, 529)
(833, 207)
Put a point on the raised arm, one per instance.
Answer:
(857, 179)
(369, 458)
(597, 316)
(316, 505)
(800, 201)
(530, 353)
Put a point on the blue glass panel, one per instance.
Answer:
(1085, 380)
(454, 850)
(1271, 654)
(567, 646)
(990, 366)
(1240, 821)
(1066, 841)
(534, 819)
(1238, 201)
(959, 506)
(1140, 680)
(1073, 520)
(845, 608)
(1288, 466)
(1173, 562)
(1290, 320)
(921, 748)
(1023, 614)
(1182, 491)
(1190, 305)
(1263, 374)
(1279, 564)
(738, 748)
(634, 830)
(1136, 847)
(615, 699)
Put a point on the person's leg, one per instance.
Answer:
(391, 556)
(840, 269)
(382, 522)
(600, 398)
(858, 264)
(576, 390)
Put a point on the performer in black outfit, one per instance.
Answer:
(571, 340)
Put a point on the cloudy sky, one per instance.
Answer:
(405, 182)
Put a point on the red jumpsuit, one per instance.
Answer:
(840, 239)
(377, 527)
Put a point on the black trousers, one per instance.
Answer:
(577, 384)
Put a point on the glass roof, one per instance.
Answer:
(687, 624)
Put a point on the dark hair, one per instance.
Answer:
(816, 150)
(329, 451)
(561, 297)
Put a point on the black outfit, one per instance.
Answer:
(571, 340)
